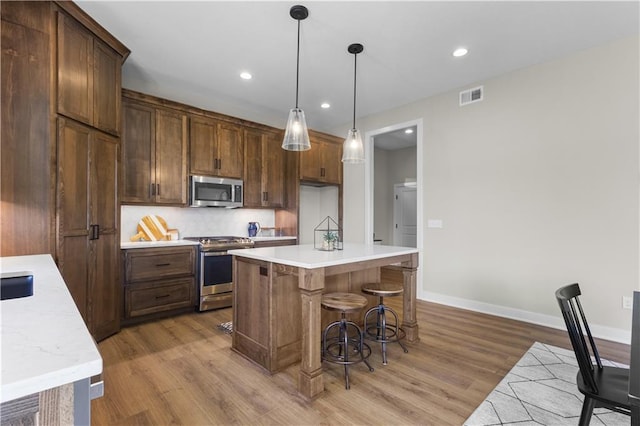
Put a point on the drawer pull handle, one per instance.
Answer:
(163, 264)
(163, 296)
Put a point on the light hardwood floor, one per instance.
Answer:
(181, 370)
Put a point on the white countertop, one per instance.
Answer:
(154, 244)
(45, 342)
(305, 256)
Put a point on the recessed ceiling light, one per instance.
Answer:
(461, 51)
(325, 105)
(408, 131)
(245, 75)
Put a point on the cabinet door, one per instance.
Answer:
(106, 88)
(230, 151)
(202, 144)
(138, 152)
(171, 158)
(322, 163)
(273, 171)
(75, 70)
(253, 168)
(73, 207)
(104, 277)
(331, 162)
(310, 163)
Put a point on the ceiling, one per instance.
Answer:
(193, 52)
(396, 139)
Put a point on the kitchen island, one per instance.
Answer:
(48, 354)
(277, 300)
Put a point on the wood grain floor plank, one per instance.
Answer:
(181, 370)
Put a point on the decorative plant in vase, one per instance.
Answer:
(330, 240)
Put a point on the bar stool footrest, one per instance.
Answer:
(390, 334)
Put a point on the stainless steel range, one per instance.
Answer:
(215, 270)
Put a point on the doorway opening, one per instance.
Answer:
(393, 157)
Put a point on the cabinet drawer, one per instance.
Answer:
(148, 264)
(143, 299)
(275, 243)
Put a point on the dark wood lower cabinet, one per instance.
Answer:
(158, 282)
(159, 296)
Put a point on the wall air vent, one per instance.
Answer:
(472, 95)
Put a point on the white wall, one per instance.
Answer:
(537, 187)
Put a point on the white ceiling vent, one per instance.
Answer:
(472, 95)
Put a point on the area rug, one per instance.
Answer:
(226, 327)
(541, 390)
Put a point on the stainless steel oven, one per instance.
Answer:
(215, 270)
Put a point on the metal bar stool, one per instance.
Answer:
(382, 331)
(344, 349)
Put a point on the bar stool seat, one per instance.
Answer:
(381, 331)
(344, 349)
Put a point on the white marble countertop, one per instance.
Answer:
(305, 256)
(124, 245)
(45, 342)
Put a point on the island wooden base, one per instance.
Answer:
(49, 407)
(278, 319)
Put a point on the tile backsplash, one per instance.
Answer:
(196, 222)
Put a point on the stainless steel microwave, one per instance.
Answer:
(206, 191)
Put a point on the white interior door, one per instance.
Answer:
(405, 216)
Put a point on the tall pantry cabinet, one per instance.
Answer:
(60, 156)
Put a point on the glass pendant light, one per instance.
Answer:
(296, 135)
(353, 148)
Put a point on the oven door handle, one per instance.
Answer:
(214, 253)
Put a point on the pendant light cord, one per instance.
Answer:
(355, 67)
(298, 64)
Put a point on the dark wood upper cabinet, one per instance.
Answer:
(216, 148)
(75, 70)
(171, 158)
(89, 74)
(264, 171)
(106, 87)
(138, 152)
(323, 162)
(202, 146)
(154, 146)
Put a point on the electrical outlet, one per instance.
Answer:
(627, 302)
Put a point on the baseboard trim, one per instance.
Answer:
(599, 331)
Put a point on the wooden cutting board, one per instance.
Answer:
(151, 228)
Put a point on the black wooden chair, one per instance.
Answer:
(602, 386)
